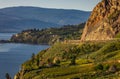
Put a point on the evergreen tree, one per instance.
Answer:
(73, 60)
(7, 76)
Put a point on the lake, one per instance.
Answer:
(13, 55)
(6, 36)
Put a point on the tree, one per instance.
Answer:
(57, 62)
(73, 60)
(37, 62)
(99, 67)
(33, 56)
(7, 76)
(49, 61)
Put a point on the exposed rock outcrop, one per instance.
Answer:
(104, 22)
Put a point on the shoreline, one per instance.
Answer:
(8, 41)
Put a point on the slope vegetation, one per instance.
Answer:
(91, 60)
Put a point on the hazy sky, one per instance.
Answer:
(66, 4)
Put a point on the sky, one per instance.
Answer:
(86, 5)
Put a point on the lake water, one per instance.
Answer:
(13, 55)
(6, 36)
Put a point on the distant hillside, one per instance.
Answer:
(49, 36)
(20, 18)
(16, 24)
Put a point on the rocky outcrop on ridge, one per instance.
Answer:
(104, 21)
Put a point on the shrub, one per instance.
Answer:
(106, 67)
(33, 56)
(73, 60)
(75, 78)
(57, 62)
(99, 67)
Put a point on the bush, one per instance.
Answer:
(73, 60)
(106, 67)
(99, 67)
(102, 67)
(57, 62)
(75, 78)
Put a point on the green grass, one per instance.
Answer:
(118, 35)
(108, 51)
(88, 55)
(83, 71)
(60, 72)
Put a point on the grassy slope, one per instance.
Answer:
(89, 55)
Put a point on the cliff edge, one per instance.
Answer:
(104, 21)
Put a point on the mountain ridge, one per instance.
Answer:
(47, 17)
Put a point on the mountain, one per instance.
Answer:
(21, 18)
(10, 23)
(104, 22)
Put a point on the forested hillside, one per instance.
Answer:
(16, 19)
(50, 35)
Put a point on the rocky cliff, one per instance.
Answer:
(104, 21)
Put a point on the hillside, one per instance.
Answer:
(50, 35)
(16, 19)
(104, 21)
(88, 60)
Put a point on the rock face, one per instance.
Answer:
(104, 21)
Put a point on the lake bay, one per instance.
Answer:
(12, 55)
